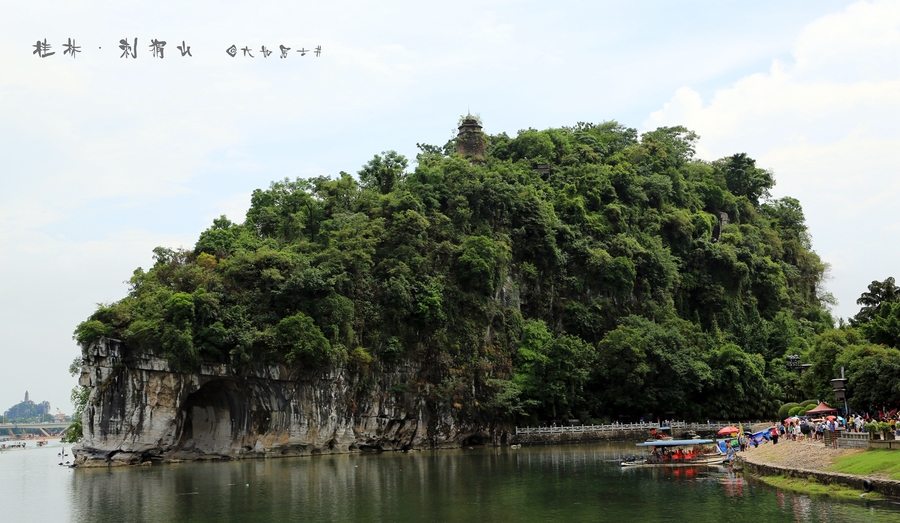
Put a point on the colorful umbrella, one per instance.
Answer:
(831, 418)
(729, 430)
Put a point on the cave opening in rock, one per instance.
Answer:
(212, 417)
(475, 440)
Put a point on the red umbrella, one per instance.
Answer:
(831, 418)
(729, 430)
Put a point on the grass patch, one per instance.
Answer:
(885, 462)
(813, 487)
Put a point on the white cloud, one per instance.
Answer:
(858, 44)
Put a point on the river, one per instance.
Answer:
(542, 484)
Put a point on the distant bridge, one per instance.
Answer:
(22, 430)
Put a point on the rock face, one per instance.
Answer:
(141, 410)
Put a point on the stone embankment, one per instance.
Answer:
(804, 460)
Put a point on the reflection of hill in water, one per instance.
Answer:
(571, 483)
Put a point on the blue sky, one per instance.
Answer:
(103, 158)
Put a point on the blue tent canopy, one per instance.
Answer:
(674, 442)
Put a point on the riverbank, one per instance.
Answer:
(803, 466)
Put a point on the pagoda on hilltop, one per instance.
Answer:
(471, 142)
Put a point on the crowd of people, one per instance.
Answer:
(802, 429)
(815, 429)
(805, 428)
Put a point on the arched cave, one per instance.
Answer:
(213, 417)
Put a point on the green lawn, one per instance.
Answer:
(811, 486)
(870, 462)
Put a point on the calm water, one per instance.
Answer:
(555, 484)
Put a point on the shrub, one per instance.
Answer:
(307, 344)
(360, 359)
(784, 411)
(398, 388)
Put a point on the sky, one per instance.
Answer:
(104, 157)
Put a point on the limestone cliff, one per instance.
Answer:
(142, 410)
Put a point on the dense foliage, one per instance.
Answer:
(79, 398)
(867, 350)
(604, 285)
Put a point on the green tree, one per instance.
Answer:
(383, 172)
(884, 326)
(79, 398)
(873, 373)
(307, 345)
(826, 351)
(481, 262)
(879, 292)
(552, 370)
(743, 178)
(739, 388)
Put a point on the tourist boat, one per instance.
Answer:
(678, 453)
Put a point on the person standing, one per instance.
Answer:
(831, 431)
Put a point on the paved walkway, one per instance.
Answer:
(809, 459)
(809, 455)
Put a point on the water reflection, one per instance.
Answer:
(577, 483)
(732, 483)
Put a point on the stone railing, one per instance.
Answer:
(853, 440)
(621, 427)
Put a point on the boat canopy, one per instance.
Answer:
(674, 442)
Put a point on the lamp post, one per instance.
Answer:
(840, 390)
(792, 362)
